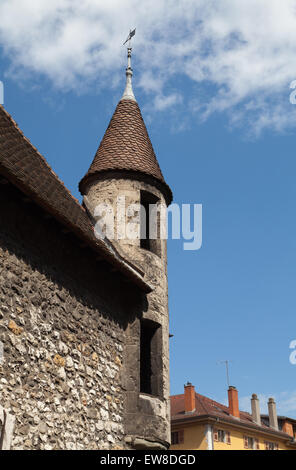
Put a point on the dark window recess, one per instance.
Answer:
(280, 424)
(1, 435)
(148, 202)
(177, 437)
(265, 421)
(150, 358)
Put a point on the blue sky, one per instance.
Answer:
(223, 128)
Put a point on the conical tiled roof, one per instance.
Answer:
(126, 148)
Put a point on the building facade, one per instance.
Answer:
(199, 423)
(84, 331)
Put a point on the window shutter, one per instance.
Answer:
(215, 435)
(228, 439)
(257, 447)
(246, 445)
(181, 437)
(266, 445)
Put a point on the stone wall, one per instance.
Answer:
(147, 417)
(63, 318)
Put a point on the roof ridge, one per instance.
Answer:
(198, 396)
(218, 404)
(213, 401)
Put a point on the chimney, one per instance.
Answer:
(273, 422)
(233, 402)
(189, 395)
(288, 428)
(255, 409)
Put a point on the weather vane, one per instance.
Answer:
(131, 34)
(128, 92)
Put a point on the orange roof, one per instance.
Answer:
(206, 407)
(126, 147)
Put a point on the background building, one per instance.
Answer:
(197, 422)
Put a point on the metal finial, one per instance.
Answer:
(128, 92)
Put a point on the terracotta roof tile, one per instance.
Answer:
(126, 146)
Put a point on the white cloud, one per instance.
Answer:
(245, 49)
(163, 102)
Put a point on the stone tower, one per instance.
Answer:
(125, 174)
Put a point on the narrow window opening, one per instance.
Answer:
(150, 358)
(148, 202)
(177, 437)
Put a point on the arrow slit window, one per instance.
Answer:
(150, 358)
(150, 223)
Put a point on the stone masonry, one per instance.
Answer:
(63, 343)
(146, 415)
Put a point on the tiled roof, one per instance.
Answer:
(27, 169)
(206, 407)
(280, 417)
(126, 146)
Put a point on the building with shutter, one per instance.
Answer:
(84, 329)
(200, 423)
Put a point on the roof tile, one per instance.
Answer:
(126, 146)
